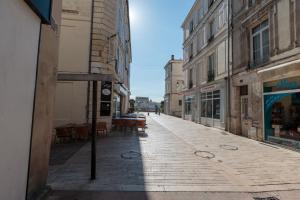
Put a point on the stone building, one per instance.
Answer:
(28, 54)
(95, 38)
(205, 63)
(265, 100)
(174, 82)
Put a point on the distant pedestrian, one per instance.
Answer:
(159, 111)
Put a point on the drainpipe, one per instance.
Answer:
(229, 31)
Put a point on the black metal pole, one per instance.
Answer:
(94, 121)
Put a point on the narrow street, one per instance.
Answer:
(179, 156)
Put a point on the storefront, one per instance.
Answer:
(282, 111)
(189, 107)
(212, 103)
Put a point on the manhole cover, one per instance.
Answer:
(266, 198)
(229, 147)
(130, 155)
(204, 154)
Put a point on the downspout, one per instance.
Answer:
(90, 62)
(229, 31)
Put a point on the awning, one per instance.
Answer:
(280, 66)
(84, 77)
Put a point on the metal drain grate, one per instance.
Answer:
(265, 198)
(229, 147)
(204, 154)
(130, 155)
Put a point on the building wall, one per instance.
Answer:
(19, 42)
(110, 54)
(111, 50)
(74, 48)
(283, 46)
(174, 83)
(44, 104)
(199, 44)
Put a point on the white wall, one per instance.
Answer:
(19, 35)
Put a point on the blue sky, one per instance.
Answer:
(156, 35)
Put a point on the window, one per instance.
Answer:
(201, 39)
(260, 43)
(191, 55)
(188, 105)
(191, 26)
(211, 68)
(180, 102)
(191, 81)
(251, 2)
(212, 29)
(211, 105)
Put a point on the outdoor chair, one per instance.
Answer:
(63, 134)
(101, 129)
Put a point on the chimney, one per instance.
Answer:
(172, 57)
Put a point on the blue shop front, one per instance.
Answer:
(282, 111)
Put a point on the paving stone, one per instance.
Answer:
(168, 163)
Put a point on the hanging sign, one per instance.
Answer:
(106, 91)
(42, 8)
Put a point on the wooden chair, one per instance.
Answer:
(101, 129)
(63, 133)
(82, 131)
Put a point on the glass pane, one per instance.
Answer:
(256, 29)
(265, 37)
(256, 42)
(203, 109)
(264, 24)
(217, 94)
(265, 41)
(209, 109)
(217, 109)
(209, 95)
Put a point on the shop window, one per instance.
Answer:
(188, 106)
(211, 105)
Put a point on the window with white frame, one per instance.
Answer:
(260, 43)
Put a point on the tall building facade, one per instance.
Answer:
(265, 100)
(95, 39)
(174, 82)
(29, 36)
(205, 63)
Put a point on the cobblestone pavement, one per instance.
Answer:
(177, 155)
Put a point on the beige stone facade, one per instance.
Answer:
(174, 82)
(266, 37)
(44, 104)
(206, 63)
(95, 39)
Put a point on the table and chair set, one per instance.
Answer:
(133, 122)
(75, 132)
